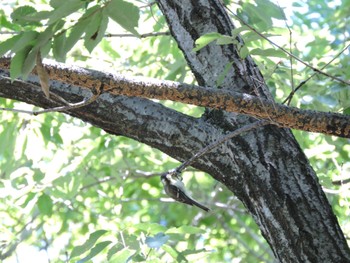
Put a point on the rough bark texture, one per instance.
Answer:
(222, 99)
(266, 168)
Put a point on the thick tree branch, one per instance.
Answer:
(223, 99)
(143, 120)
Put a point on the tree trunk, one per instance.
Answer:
(265, 169)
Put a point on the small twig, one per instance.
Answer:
(10, 32)
(291, 51)
(341, 182)
(122, 238)
(98, 182)
(148, 5)
(69, 106)
(148, 254)
(152, 34)
(210, 147)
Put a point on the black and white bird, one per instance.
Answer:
(175, 188)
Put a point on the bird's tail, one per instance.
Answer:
(206, 209)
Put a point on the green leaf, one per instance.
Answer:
(206, 40)
(45, 205)
(122, 255)
(225, 40)
(20, 15)
(95, 30)
(270, 52)
(59, 41)
(28, 39)
(64, 9)
(5, 23)
(44, 50)
(257, 18)
(95, 251)
(75, 34)
(238, 30)
(125, 14)
(37, 16)
(56, 3)
(17, 63)
(41, 41)
(326, 181)
(270, 9)
(347, 111)
(243, 52)
(29, 198)
(38, 176)
(177, 256)
(6, 45)
(29, 62)
(77, 251)
(185, 230)
(48, 33)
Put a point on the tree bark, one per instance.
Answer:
(265, 168)
(223, 99)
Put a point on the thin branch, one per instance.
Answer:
(210, 147)
(71, 106)
(131, 174)
(150, 4)
(68, 106)
(57, 109)
(98, 182)
(152, 34)
(287, 52)
(290, 96)
(341, 182)
(9, 32)
(291, 51)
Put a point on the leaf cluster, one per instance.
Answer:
(61, 28)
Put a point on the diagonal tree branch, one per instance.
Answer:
(279, 114)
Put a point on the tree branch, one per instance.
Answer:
(282, 115)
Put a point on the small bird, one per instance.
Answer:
(175, 188)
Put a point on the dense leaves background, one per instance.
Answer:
(69, 190)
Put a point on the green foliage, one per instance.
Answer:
(79, 250)
(68, 187)
(125, 14)
(45, 31)
(206, 40)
